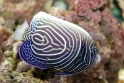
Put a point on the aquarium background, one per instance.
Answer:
(102, 19)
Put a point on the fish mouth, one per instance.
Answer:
(98, 59)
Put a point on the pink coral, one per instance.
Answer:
(83, 7)
(108, 17)
(96, 16)
(95, 4)
(107, 33)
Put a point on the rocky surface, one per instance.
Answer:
(92, 15)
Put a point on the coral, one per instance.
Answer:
(15, 12)
(1, 55)
(92, 15)
(4, 35)
(22, 67)
(84, 7)
(108, 35)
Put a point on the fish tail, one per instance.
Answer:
(20, 32)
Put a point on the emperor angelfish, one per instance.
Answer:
(51, 42)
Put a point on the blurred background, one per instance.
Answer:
(111, 70)
(19, 9)
(117, 9)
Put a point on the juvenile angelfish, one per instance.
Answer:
(51, 42)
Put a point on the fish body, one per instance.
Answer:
(54, 43)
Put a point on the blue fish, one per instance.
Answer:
(51, 42)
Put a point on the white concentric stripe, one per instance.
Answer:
(53, 23)
(53, 59)
(88, 57)
(57, 25)
(56, 59)
(39, 39)
(87, 38)
(59, 61)
(52, 35)
(90, 46)
(51, 49)
(45, 59)
(88, 64)
(32, 22)
(26, 34)
(81, 68)
(35, 34)
(42, 15)
(49, 35)
(57, 38)
(42, 63)
(85, 53)
(63, 34)
(73, 64)
(92, 49)
(64, 58)
(83, 60)
(61, 27)
(65, 27)
(52, 42)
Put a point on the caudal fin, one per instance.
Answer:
(18, 35)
